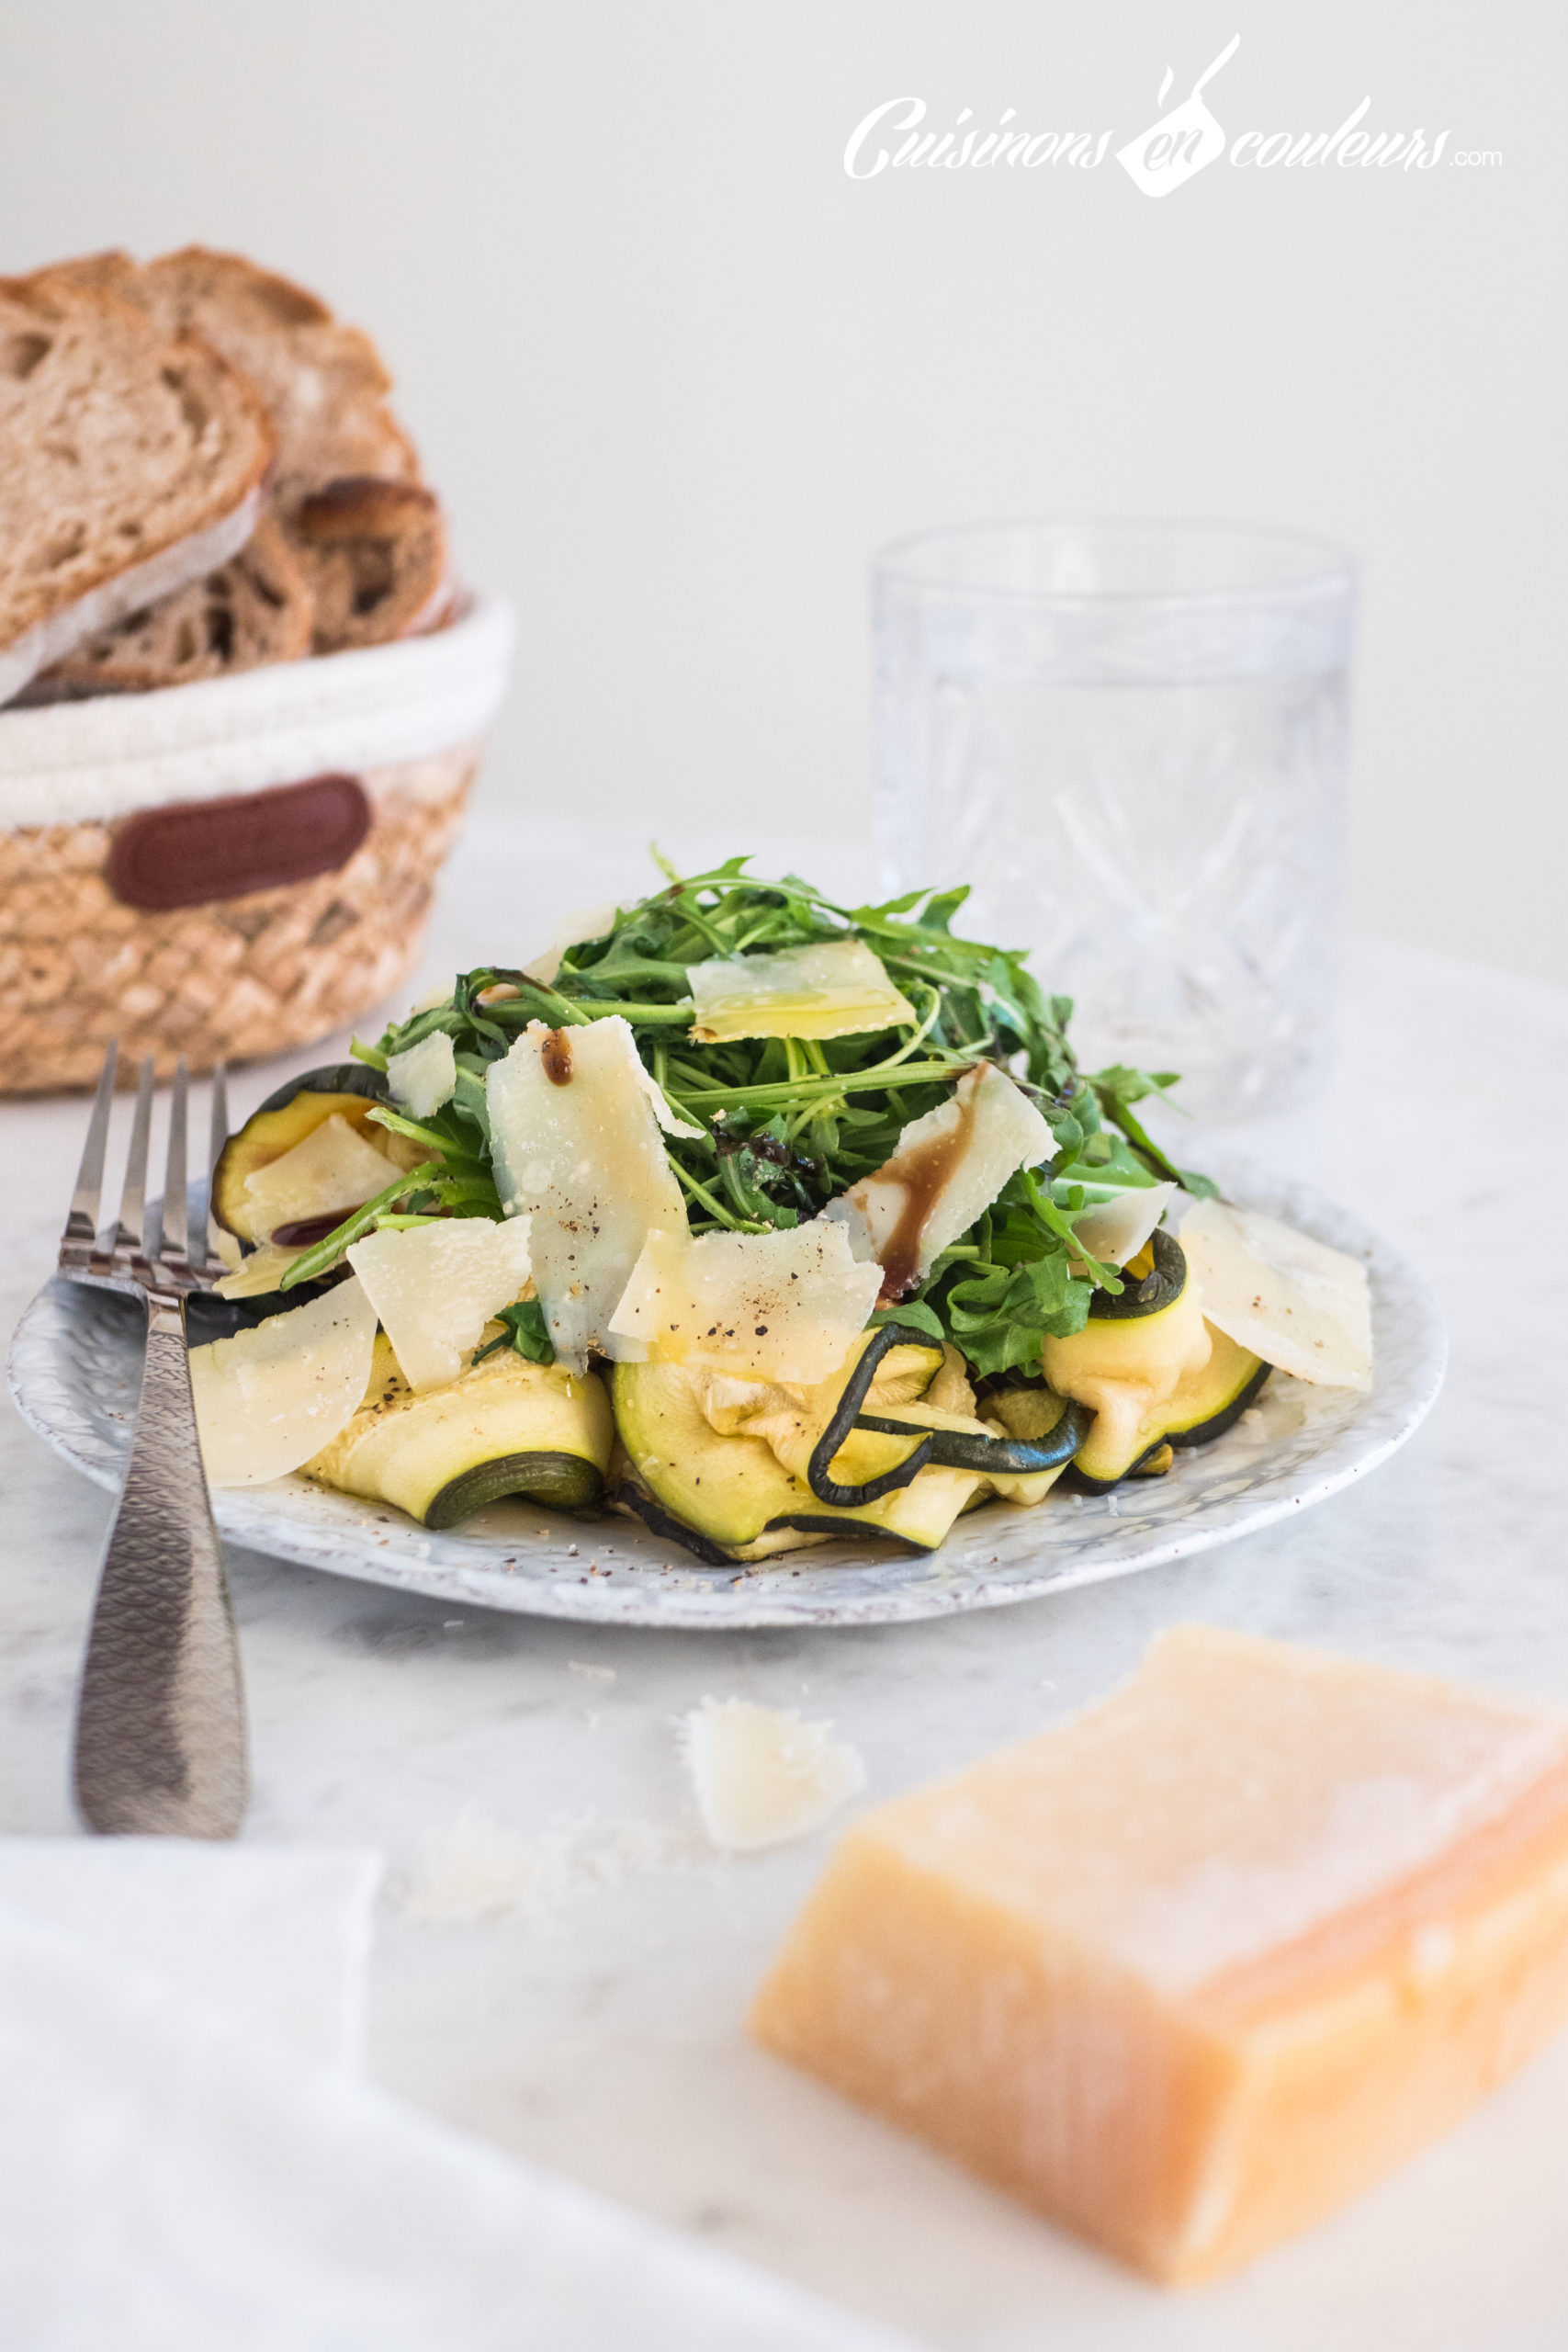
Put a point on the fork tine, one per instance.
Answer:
(81, 1223)
(175, 1228)
(133, 1200)
(219, 1138)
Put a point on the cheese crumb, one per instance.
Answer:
(762, 1774)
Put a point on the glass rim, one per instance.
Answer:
(1338, 567)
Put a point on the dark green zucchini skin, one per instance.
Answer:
(862, 1531)
(270, 1131)
(659, 1521)
(1204, 1433)
(337, 1078)
(1201, 1433)
(1162, 1286)
(559, 1481)
(943, 1449)
(1004, 1457)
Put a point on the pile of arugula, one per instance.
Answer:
(789, 1124)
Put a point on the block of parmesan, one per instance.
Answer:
(1189, 1970)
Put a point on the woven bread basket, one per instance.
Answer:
(229, 869)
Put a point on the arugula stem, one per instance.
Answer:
(326, 1252)
(863, 1081)
(1107, 1276)
(592, 1008)
(715, 1209)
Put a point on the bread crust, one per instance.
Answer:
(324, 382)
(130, 461)
(375, 553)
(367, 537)
(253, 610)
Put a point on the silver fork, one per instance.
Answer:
(161, 1715)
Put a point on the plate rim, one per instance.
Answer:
(744, 1599)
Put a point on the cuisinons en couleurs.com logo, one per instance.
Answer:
(1172, 149)
(1181, 141)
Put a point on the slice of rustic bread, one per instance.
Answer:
(375, 553)
(131, 462)
(323, 382)
(253, 609)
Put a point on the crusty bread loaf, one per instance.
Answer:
(131, 462)
(375, 553)
(323, 382)
(253, 609)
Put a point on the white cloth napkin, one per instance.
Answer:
(279, 1935)
(192, 2168)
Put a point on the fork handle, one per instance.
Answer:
(161, 1718)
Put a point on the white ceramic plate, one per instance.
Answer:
(77, 1366)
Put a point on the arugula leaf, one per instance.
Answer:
(527, 1332)
(790, 1125)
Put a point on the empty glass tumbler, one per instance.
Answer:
(1130, 737)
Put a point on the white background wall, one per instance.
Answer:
(677, 375)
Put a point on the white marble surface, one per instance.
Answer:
(598, 2027)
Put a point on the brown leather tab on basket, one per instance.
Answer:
(193, 852)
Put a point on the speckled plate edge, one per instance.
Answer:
(75, 1370)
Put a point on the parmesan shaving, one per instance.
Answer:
(436, 1286)
(272, 1397)
(425, 1076)
(334, 1169)
(1299, 1304)
(785, 1306)
(258, 1274)
(836, 988)
(576, 1146)
(1116, 1230)
(948, 1169)
(570, 930)
(762, 1774)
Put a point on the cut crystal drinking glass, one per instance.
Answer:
(1130, 740)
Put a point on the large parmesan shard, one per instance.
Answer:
(785, 1306)
(1294, 1302)
(1206, 1960)
(272, 1397)
(836, 988)
(949, 1167)
(576, 1146)
(436, 1286)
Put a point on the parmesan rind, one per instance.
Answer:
(587, 1162)
(762, 1774)
(425, 1076)
(1005, 1132)
(1299, 1304)
(334, 1169)
(436, 1286)
(1116, 1230)
(836, 988)
(785, 1306)
(270, 1397)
